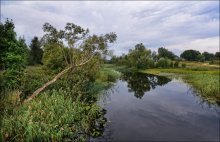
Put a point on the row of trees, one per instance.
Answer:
(141, 57)
(193, 55)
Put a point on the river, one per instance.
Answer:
(144, 107)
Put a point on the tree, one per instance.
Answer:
(163, 52)
(217, 55)
(81, 48)
(140, 57)
(36, 52)
(200, 58)
(191, 55)
(13, 55)
(7, 36)
(208, 56)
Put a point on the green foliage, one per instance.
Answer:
(171, 64)
(217, 55)
(34, 77)
(176, 64)
(50, 117)
(140, 57)
(206, 82)
(214, 62)
(207, 85)
(36, 52)
(106, 75)
(14, 54)
(191, 55)
(208, 56)
(200, 58)
(183, 65)
(163, 63)
(53, 57)
(163, 52)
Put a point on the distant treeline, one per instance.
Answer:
(140, 57)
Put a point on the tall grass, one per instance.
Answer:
(205, 81)
(206, 84)
(59, 113)
(106, 76)
(50, 117)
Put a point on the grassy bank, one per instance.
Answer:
(205, 81)
(54, 115)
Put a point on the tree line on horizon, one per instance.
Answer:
(141, 58)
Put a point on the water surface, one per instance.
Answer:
(143, 107)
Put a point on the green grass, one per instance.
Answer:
(54, 115)
(201, 65)
(106, 76)
(205, 81)
(50, 117)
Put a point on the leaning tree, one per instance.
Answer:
(80, 48)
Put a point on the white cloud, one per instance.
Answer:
(155, 24)
(207, 44)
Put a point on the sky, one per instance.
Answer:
(175, 25)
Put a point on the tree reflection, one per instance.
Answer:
(139, 83)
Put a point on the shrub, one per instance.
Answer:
(176, 64)
(163, 63)
(171, 64)
(183, 65)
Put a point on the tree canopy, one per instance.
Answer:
(65, 50)
(191, 55)
(13, 55)
(163, 52)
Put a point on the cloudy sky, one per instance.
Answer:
(174, 25)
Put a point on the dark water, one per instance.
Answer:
(143, 107)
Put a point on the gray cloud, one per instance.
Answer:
(175, 25)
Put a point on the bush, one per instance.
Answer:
(163, 63)
(176, 64)
(171, 64)
(183, 65)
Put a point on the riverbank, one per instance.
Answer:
(58, 113)
(206, 82)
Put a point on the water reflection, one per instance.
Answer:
(167, 113)
(139, 83)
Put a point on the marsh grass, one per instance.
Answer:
(205, 81)
(106, 76)
(50, 117)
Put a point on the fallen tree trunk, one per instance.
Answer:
(54, 80)
(47, 84)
